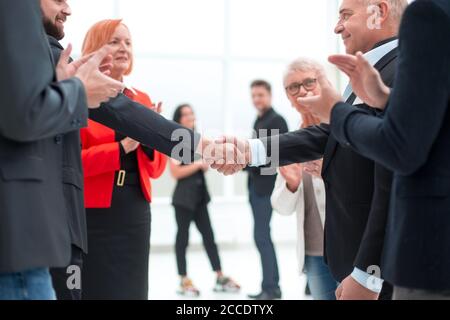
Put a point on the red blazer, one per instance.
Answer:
(101, 161)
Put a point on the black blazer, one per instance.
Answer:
(264, 184)
(191, 192)
(156, 132)
(357, 190)
(34, 111)
(413, 140)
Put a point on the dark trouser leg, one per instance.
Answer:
(61, 276)
(386, 292)
(203, 223)
(416, 294)
(184, 218)
(262, 213)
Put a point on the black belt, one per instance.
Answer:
(127, 178)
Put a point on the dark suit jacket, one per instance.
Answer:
(264, 184)
(34, 229)
(123, 115)
(413, 141)
(357, 190)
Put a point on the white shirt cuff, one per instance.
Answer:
(259, 154)
(368, 281)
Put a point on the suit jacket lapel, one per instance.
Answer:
(332, 142)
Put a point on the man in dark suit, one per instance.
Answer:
(412, 139)
(358, 190)
(34, 232)
(261, 186)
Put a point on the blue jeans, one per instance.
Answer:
(320, 281)
(35, 284)
(262, 213)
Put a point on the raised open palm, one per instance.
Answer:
(365, 79)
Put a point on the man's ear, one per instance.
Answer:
(384, 9)
(378, 15)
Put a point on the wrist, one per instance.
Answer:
(247, 153)
(292, 187)
(385, 94)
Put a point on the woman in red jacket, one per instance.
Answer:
(117, 173)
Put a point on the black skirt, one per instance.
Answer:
(116, 267)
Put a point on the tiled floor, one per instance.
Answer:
(242, 264)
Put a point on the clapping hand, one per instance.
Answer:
(365, 79)
(99, 87)
(293, 175)
(322, 105)
(157, 107)
(314, 168)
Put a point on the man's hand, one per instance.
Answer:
(314, 168)
(365, 79)
(226, 155)
(66, 69)
(322, 105)
(293, 176)
(129, 145)
(352, 290)
(99, 87)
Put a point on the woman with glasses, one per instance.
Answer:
(299, 188)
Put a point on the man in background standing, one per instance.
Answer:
(261, 186)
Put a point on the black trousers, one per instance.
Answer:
(61, 276)
(117, 265)
(200, 216)
(262, 214)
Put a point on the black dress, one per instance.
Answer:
(116, 267)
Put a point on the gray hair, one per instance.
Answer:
(397, 8)
(303, 65)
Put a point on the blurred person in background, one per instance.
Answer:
(300, 189)
(190, 200)
(268, 123)
(118, 190)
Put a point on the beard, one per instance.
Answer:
(52, 30)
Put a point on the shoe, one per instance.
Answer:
(267, 295)
(226, 285)
(188, 289)
(307, 291)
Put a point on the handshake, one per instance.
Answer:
(227, 155)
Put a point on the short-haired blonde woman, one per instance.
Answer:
(303, 192)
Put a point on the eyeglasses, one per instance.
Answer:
(308, 84)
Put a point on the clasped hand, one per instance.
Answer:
(227, 155)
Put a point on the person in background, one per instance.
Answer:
(261, 186)
(117, 173)
(304, 192)
(190, 200)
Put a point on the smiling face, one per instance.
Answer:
(301, 77)
(122, 51)
(353, 27)
(187, 117)
(55, 13)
